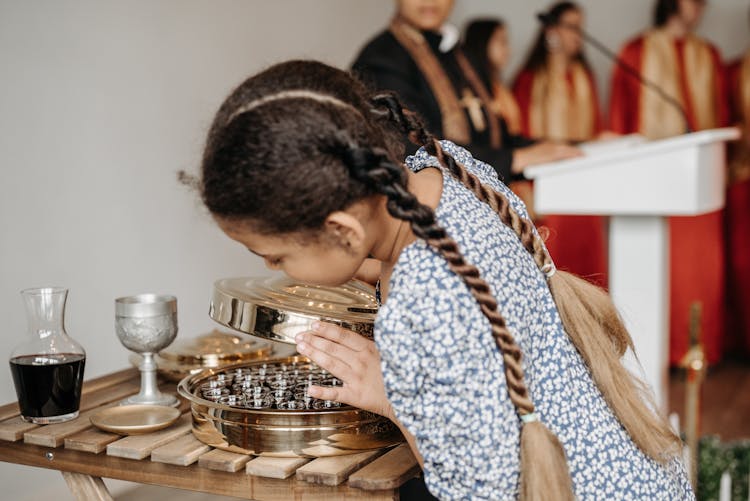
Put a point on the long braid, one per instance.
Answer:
(544, 470)
(373, 167)
(390, 108)
(588, 314)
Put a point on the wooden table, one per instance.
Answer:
(174, 458)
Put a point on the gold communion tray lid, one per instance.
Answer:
(279, 308)
(215, 349)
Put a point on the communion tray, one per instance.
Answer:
(262, 408)
(279, 308)
(213, 350)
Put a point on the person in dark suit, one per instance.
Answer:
(419, 58)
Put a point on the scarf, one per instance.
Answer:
(561, 112)
(658, 118)
(454, 122)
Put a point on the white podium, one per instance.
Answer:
(638, 185)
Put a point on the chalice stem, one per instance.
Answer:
(149, 389)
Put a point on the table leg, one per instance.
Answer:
(86, 487)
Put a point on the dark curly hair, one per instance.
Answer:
(477, 36)
(663, 10)
(537, 57)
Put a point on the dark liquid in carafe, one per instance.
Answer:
(48, 385)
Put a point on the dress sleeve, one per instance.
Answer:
(486, 175)
(422, 361)
(501, 159)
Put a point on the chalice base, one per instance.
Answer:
(160, 399)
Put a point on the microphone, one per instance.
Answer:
(547, 20)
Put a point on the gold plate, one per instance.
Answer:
(135, 419)
(279, 308)
(213, 350)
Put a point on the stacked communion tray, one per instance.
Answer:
(262, 407)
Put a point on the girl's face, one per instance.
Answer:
(426, 15)
(691, 12)
(498, 49)
(328, 260)
(567, 33)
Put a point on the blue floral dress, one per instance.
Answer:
(444, 375)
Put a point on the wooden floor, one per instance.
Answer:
(726, 400)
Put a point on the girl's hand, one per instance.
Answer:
(351, 358)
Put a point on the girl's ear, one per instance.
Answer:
(346, 230)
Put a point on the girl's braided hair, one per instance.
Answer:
(301, 140)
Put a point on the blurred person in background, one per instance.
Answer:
(688, 68)
(418, 58)
(555, 87)
(557, 96)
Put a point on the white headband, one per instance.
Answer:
(291, 94)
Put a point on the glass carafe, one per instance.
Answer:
(48, 367)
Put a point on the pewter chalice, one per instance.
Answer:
(145, 324)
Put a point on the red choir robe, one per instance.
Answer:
(690, 70)
(738, 208)
(565, 107)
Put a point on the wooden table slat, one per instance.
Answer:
(389, 471)
(110, 394)
(13, 429)
(274, 467)
(53, 435)
(94, 440)
(183, 451)
(108, 380)
(8, 411)
(334, 470)
(90, 440)
(140, 446)
(221, 460)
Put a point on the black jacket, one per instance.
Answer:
(384, 64)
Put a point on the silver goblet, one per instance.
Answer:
(145, 324)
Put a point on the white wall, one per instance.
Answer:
(101, 102)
